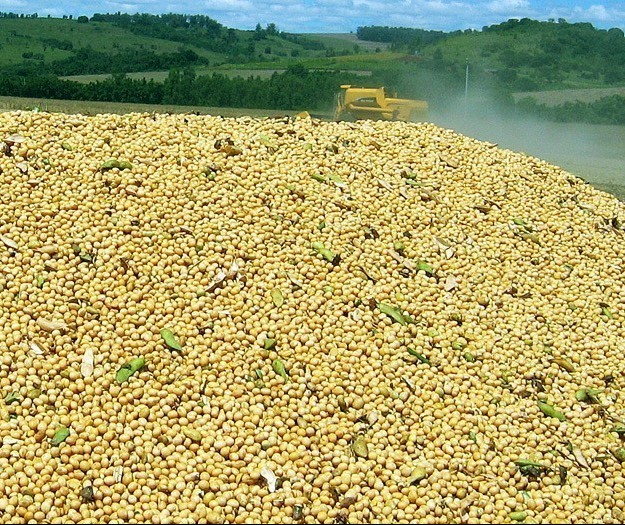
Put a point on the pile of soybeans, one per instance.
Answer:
(285, 320)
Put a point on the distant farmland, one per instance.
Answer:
(561, 96)
(160, 76)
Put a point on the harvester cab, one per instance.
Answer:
(373, 103)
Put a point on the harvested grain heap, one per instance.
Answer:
(245, 320)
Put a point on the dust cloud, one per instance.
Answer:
(596, 153)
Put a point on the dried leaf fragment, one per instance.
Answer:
(451, 162)
(445, 247)
(192, 434)
(294, 281)
(12, 397)
(51, 326)
(86, 366)
(450, 283)
(551, 411)
(170, 339)
(418, 355)
(393, 313)
(326, 253)
(16, 138)
(337, 180)
(233, 271)
(109, 164)
(579, 457)
(270, 478)
(280, 369)
(349, 498)
(86, 493)
(59, 436)
(267, 142)
(217, 280)
(230, 150)
(528, 467)
(269, 343)
(360, 447)
(588, 395)
(118, 473)
(277, 297)
(383, 184)
(8, 242)
(619, 454)
(564, 363)
(418, 474)
(35, 348)
(427, 268)
(128, 369)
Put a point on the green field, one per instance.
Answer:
(383, 61)
(93, 108)
(346, 42)
(25, 36)
(560, 96)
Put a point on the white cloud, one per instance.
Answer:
(230, 5)
(347, 15)
(600, 15)
(508, 6)
(12, 4)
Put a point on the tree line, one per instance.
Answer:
(89, 61)
(562, 49)
(295, 89)
(401, 38)
(606, 110)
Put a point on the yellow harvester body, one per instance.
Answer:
(373, 103)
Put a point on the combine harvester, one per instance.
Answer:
(353, 103)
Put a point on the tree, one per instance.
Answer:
(83, 19)
(259, 32)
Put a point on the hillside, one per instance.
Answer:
(529, 55)
(127, 43)
(47, 40)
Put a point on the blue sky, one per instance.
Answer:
(320, 16)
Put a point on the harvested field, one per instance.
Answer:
(245, 320)
(561, 96)
(91, 107)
